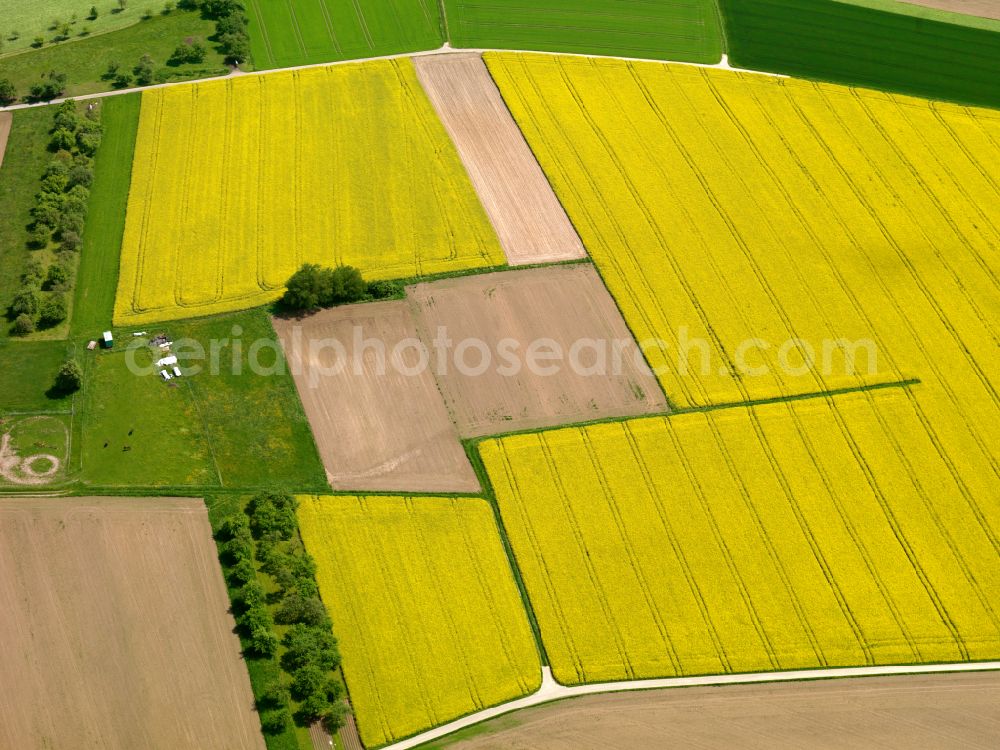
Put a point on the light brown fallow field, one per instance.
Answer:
(553, 309)
(943, 711)
(6, 118)
(528, 218)
(378, 428)
(115, 629)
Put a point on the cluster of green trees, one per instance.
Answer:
(58, 216)
(266, 536)
(231, 32)
(313, 287)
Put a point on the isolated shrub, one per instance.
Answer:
(272, 515)
(81, 175)
(57, 277)
(26, 302)
(93, 13)
(309, 645)
(275, 695)
(123, 80)
(308, 680)
(236, 550)
(251, 596)
(298, 608)
(143, 71)
(66, 116)
(70, 377)
(333, 718)
(38, 41)
(33, 276)
(275, 721)
(242, 572)
(188, 53)
(69, 242)
(383, 289)
(312, 708)
(53, 310)
(23, 325)
(346, 285)
(8, 92)
(263, 640)
(39, 235)
(62, 138)
(70, 220)
(51, 86)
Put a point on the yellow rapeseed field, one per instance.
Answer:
(430, 622)
(724, 207)
(236, 183)
(782, 536)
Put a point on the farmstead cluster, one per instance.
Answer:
(462, 358)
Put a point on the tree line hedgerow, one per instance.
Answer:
(58, 218)
(263, 544)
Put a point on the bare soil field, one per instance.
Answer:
(498, 322)
(528, 218)
(115, 628)
(893, 713)
(6, 118)
(981, 8)
(378, 426)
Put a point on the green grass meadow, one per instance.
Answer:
(300, 32)
(219, 427)
(873, 43)
(85, 61)
(97, 277)
(686, 30)
(34, 18)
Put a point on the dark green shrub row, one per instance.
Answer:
(264, 540)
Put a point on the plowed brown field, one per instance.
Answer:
(378, 427)
(528, 218)
(115, 629)
(553, 309)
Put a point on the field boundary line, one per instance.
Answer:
(443, 50)
(552, 691)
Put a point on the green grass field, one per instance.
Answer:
(138, 431)
(85, 61)
(97, 277)
(220, 427)
(300, 32)
(34, 18)
(874, 43)
(686, 30)
(27, 372)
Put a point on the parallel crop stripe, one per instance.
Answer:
(430, 622)
(865, 570)
(238, 182)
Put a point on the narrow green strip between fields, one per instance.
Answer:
(97, 278)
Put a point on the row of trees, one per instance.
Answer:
(313, 287)
(58, 216)
(266, 537)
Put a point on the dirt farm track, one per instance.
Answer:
(115, 629)
(891, 713)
